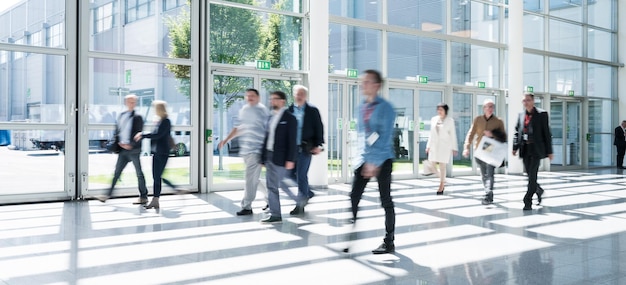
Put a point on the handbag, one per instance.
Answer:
(491, 151)
(112, 146)
(171, 142)
(429, 167)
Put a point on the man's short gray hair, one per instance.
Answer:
(129, 96)
(300, 87)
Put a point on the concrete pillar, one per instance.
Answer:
(516, 77)
(318, 81)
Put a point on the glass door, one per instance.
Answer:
(403, 101)
(427, 108)
(566, 128)
(343, 101)
(228, 98)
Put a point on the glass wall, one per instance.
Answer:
(409, 56)
(354, 48)
(240, 36)
(428, 16)
(34, 112)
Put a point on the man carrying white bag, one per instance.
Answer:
(488, 135)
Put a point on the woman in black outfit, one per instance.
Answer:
(160, 142)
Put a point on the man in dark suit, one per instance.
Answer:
(534, 141)
(279, 153)
(128, 125)
(310, 138)
(620, 143)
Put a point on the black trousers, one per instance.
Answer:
(621, 150)
(384, 188)
(531, 161)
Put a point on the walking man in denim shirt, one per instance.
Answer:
(375, 129)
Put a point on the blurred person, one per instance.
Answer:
(128, 125)
(397, 138)
(534, 142)
(250, 132)
(486, 125)
(441, 142)
(375, 130)
(161, 144)
(279, 153)
(310, 138)
(620, 144)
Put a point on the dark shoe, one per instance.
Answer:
(440, 192)
(267, 206)
(539, 194)
(384, 248)
(244, 212)
(153, 204)
(298, 210)
(102, 198)
(272, 219)
(527, 208)
(141, 201)
(488, 198)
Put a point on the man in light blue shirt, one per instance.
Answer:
(375, 127)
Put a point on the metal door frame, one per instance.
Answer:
(257, 77)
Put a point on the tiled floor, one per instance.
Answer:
(578, 236)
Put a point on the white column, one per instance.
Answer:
(516, 77)
(318, 81)
(621, 57)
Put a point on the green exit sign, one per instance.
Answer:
(530, 89)
(352, 73)
(480, 84)
(422, 79)
(263, 64)
(570, 93)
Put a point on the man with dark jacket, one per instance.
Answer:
(620, 143)
(128, 125)
(279, 153)
(534, 141)
(310, 138)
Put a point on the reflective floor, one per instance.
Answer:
(577, 236)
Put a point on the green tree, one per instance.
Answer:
(180, 47)
(277, 37)
(233, 39)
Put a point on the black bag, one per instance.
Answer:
(307, 146)
(112, 146)
(171, 142)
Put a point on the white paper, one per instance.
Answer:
(491, 151)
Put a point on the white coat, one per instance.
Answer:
(442, 140)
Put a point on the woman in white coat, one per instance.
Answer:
(442, 142)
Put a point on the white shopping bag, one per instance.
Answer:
(491, 151)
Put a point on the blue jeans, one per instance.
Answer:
(158, 166)
(300, 174)
(486, 173)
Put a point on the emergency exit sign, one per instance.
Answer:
(263, 65)
(422, 79)
(480, 84)
(352, 73)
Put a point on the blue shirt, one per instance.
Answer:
(381, 121)
(298, 112)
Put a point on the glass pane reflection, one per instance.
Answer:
(32, 161)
